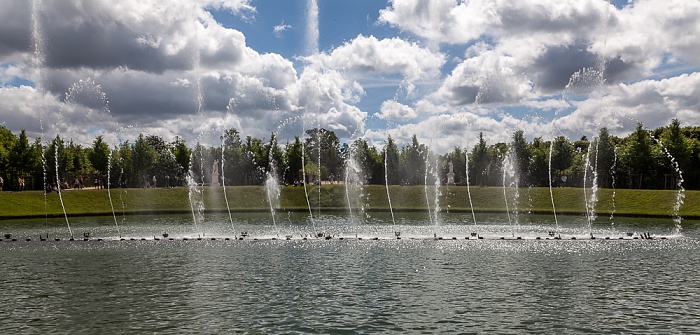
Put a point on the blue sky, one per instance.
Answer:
(443, 70)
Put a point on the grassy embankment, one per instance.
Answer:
(404, 198)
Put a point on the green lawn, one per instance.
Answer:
(403, 198)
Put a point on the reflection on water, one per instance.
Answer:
(349, 286)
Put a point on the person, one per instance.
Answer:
(563, 180)
(21, 184)
(1, 181)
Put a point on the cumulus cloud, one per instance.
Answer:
(547, 67)
(367, 55)
(392, 110)
(280, 28)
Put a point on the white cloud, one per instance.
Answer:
(370, 56)
(280, 28)
(392, 110)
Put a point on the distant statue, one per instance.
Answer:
(451, 174)
(215, 173)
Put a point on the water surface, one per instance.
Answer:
(348, 286)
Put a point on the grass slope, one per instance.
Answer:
(332, 197)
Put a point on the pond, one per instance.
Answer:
(416, 284)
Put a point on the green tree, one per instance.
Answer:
(369, 160)
(479, 162)
(539, 163)
(413, 162)
(523, 156)
(391, 162)
(606, 157)
(99, 155)
(293, 159)
(143, 158)
(326, 144)
(23, 158)
(562, 155)
(638, 158)
(182, 157)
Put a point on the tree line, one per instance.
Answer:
(647, 159)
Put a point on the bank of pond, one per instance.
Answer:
(372, 198)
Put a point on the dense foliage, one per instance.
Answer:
(644, 159)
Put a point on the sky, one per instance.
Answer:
(443, 70)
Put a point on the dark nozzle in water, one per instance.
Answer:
(8, 236)
(86, 234)
(473, 234)
(165, 235)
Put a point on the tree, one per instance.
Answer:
(99, 155)
(638, 159)
(678, 147)
(539, 162)
(23, 159)
(275, 157)
(182, 156)
(369, 160)
(293, 158)
(413, 162)
(391, 162)
(326, 144)
(58, 161)
(7, 142)
(522, 156)
(479, 162)
(562, 155)
(143, 159)
(606, 158)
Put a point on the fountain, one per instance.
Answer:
(354, 177)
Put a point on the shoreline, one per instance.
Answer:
(405, 199)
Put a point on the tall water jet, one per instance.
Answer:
(510, 180)
(386, 184)
(312, 34)
(680, 193)
(469, 192)
(272, 191)
(593, 200)
(58, 184)
(196, 192)
(89, 94)
(551, 193)
(425, 188)
(613, 170)
(37, 65)
(354, 180)
(229, 110)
